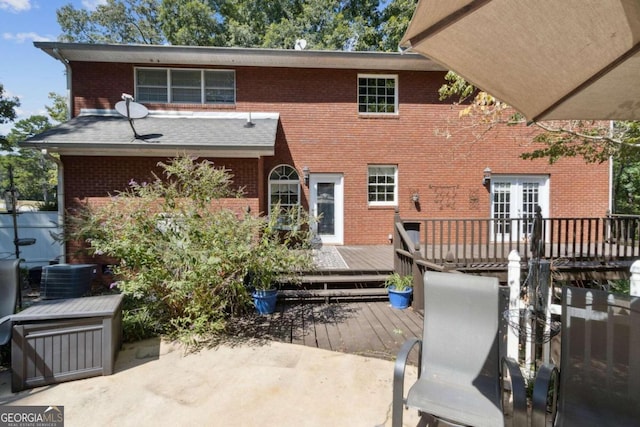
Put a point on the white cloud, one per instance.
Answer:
(15, 5)
(92, 4)
(25, 37)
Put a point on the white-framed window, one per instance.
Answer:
(284, 189)
(382, 187)
(377, 94)
(192, 86)
(517, 197)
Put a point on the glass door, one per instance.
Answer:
(517, 198)
(326, 195)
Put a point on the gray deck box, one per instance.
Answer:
(67, 339)
(66, 280)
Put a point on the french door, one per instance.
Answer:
(517, 198)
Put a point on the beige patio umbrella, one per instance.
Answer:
(549, 59)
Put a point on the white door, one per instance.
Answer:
(327, 205)
(517, 197)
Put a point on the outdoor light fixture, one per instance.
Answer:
(486, 176)
(415, 197)
(305, 175)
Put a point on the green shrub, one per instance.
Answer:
(182, 256)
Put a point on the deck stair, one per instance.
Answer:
(337, 285)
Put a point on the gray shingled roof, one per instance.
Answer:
(219, 135)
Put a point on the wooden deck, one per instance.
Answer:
(372, 329)
(368, 258)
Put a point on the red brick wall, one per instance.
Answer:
(94, 178)
(320, 128)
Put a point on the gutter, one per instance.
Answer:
(61, 207)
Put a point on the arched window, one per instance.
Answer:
(284, 188)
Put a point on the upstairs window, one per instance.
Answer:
(377, 94)
(383, 185)
(186, 86)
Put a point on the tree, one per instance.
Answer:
(59, 110)
(7, 114)
(181, 256)
(117, 21)
(35, 175)
(395, 20)
(324, 24)
(191, 22)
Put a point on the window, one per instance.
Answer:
(185, 86)
(377, 94)
(284, 189)
(383, 185)
(517, 197)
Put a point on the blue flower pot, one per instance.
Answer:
(265, 300)
(400, 299)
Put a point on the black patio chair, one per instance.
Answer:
(598, 383)
(463, 376)
(9, 285)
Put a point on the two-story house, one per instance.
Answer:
(349, 135)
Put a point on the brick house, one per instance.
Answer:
(351, 135)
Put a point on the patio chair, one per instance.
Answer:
(598, 382)
(462, 372)
(9, 282)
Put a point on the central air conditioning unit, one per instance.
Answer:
(66, 280)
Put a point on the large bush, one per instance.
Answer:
(181, 255)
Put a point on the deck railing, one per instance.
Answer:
(465, 241)
(440, 244)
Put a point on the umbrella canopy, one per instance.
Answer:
(549, 59)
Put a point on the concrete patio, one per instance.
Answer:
(250, 383)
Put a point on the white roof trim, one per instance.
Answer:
(155, 55)
(168, 114)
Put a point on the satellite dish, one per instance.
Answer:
(300, 44)
(131, 110)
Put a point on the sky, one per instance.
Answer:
(25, 71)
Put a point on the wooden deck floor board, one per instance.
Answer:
(414, 323)
(405, 326)
(375, 335)
(348, 334)
(364, 328)
(329, 317)
(383, 332)
(390, 324)
(359, 338)
(372, 258)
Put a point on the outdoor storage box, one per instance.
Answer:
(65, 339)
(66, 280)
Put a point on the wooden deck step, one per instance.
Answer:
(360, 294)
(337, 285)
(343, 278)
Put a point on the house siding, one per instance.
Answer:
(320, 128)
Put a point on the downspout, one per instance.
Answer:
(62, 258)
(611, 173)
(58, 162)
